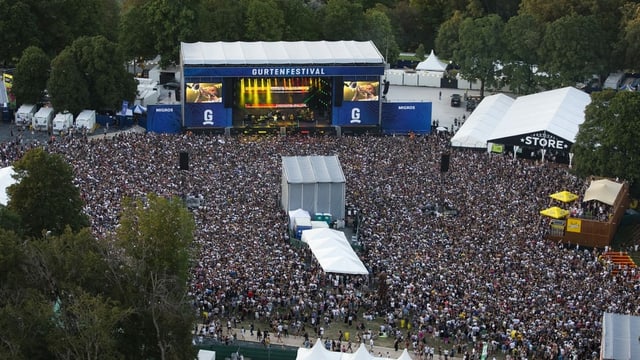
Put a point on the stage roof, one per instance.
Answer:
(280, 53)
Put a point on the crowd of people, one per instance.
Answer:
(485, 275)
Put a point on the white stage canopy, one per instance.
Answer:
(280, 53)
(333, 251)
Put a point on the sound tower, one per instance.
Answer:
(338, 90)
(444, 162)
(228, 91)
(184, 160)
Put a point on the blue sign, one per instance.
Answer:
(164, 119)
(282, 71)
(125, 107)
(354, 113)
(203, 115)
(406, 117)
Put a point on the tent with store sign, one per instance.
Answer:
(555, 212)
(564, 196)
(546, 121)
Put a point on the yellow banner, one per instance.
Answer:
(574, 225)
(497, 148)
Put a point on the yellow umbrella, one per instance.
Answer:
(555, 212)
(564, 196)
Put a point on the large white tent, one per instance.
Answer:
(333, 251)
(477, 129)
(620, 337)
(555, 114)
(314, 183)
(432, 63)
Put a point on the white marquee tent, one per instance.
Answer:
(620, 337)
(333, 251)
(206, 355)
(6, 180)
(432, 63)
(319, 352)
(477, 129)
(557, 112)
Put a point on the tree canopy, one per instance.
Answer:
(44, 196)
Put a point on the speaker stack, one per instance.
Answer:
(444, 162)
(184, 161)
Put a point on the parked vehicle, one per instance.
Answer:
(25, 114)
(43, 119)
(62, 122)
(86, 120)
(456, 100)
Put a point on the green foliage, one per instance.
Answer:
(479, 46)
(44, 196)
(89, 75)
(570, 56)
(264, 21)
(607, 142)
(343, 20)
(381, 33)
(157, 237)
(18, 30)
(30, 76)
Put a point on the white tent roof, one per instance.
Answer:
(312, 169)
(477, 129)
(333, 251)
(317, 352)
(432, 63)
(559, 112)
(620, 334)
(280, 52)
(604, 190)
(206, 355)
(6, 180)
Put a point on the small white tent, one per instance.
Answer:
(604, 190)
(432, 63)
(317, 352)
(206, 355)
(333, 251)
(6, 180)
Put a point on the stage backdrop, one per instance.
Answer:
(406, 117)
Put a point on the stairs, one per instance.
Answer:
(620, 260)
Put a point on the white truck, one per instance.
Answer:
(62, 122)
(43, 118)
(86, 120)
(24, 115)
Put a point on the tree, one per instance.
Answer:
(568, 55)
(18, 30)
(264, 21)
(157, 237)
(221, 20)
(343, 20)
(606, 144)
(44, 196)
(68, 86)
(420, 53)
(31, 74)
(381, 33)
(522, 37)
(90, 66)
(629, 44)
(448, 39)
(302, 22)
(480, 46)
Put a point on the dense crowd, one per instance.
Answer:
(484, 275)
